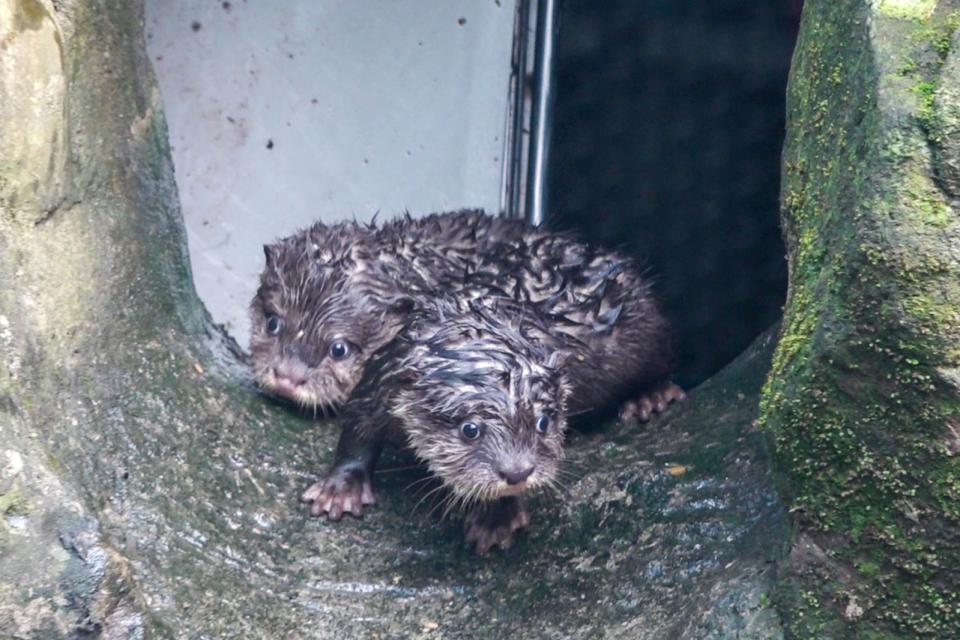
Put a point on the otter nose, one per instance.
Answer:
(289, 376)
(515, 477)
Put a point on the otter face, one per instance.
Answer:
(310, 332)
(485, 408)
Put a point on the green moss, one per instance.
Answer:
(942, 36)
(12, 502)
(945, 487)
(932, 311)
(868, 569)
(926, 112)
(919, 10)
(926, 49)
(856, 401)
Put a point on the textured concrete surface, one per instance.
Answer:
(282, 113)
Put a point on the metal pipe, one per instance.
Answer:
(514, 160)
(541, 117)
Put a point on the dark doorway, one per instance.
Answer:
(668, 128)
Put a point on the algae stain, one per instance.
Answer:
(907, 9)
(33, 147)
(28, 15)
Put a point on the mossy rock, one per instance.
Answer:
(863, 400)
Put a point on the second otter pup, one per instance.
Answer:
(477, 391)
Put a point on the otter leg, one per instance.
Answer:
(654, 400)
(493, 524)
(348, 486)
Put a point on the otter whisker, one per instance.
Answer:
(567, 474)
(553, 486)
(418, 486)
(442, 506)
(395, 469)
(459, 502)
(430, 493)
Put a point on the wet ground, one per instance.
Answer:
(192, 528)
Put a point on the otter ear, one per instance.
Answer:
(270, 253)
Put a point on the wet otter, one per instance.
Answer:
(332, 295)
(477, 390)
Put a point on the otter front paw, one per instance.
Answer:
(493, 524)
(345, 490)
(655, 400)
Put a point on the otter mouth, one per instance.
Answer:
(506, 490)
(302, 393)
(292, 391)
(296, 394)
(480, 492)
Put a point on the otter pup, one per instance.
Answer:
(332, 295)
(477, 390)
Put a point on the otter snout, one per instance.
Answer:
(515, 476)
(290, 376)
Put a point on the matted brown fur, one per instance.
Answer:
(476, 388)
(489, 363)
(357, 284)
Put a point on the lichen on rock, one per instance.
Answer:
(860, 398)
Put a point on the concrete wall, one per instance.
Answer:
(281, 113)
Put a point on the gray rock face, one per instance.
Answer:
(667, 531)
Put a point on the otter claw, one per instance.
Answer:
(655, 400)
(313, 493)
(343, 491)
(493, 525)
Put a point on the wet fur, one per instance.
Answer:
(361, 283)
(456, 317)
(491, 363)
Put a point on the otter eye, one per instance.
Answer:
(543, 423)
(274, 324)
(339, 350)
(470, 430)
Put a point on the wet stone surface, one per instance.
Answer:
(666, 530)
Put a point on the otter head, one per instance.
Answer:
(483, 402)
(313, 324)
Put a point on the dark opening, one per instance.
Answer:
(668, 128)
